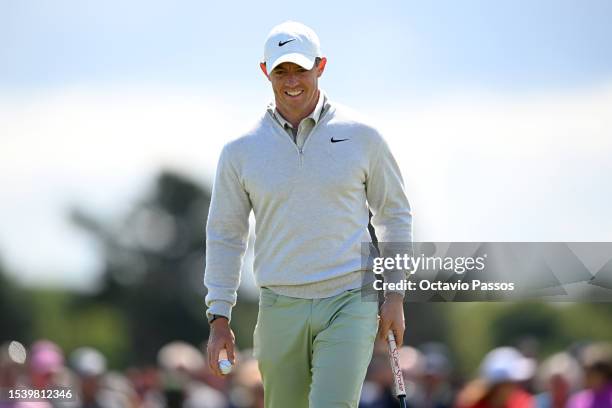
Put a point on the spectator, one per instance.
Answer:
(12, 358)
(377, 389)
(247, 386)
(596, 360)
(89, 365)
(180, 363)
(558, 377)
(501, 372)
(116, 391)
(46, 371)
(436, 391)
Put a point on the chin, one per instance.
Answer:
(296, 104)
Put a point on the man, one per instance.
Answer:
(309, 171)
(502, 373)
(596, 360)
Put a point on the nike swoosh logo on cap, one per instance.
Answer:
(337, 140)
(281, 43)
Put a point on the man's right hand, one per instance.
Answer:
(221, 337)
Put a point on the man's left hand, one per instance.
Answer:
(392, 318)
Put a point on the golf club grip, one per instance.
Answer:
(398, 377)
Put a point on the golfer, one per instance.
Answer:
(310, 171)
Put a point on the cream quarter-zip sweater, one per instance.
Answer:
(310, 205)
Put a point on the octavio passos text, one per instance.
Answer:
(476, 284)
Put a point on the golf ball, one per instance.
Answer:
(225, 366)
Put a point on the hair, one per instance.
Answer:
(598, 357)
(316, 64)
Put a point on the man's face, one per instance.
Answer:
(295, 88)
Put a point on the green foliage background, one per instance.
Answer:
(151, 292)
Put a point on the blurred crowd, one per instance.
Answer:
(580, 377)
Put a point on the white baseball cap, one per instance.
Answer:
(291, 42)
(506, 364)
(88, 362)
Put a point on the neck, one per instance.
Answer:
(296, 118)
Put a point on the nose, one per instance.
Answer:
(292, 80)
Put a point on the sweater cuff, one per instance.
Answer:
(394, 277)
(219, 307)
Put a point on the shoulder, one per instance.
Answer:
(346, 119)
(236, 148)
(580, 399)
(348, 122)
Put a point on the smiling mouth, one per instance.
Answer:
(294, 93)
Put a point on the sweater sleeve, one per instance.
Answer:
(227, 231)
(391, 213)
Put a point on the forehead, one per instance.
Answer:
(287, 66)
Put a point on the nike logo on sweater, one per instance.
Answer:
(337, 140)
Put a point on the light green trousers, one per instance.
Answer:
(314, 353)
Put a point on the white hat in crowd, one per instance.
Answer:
(88, 362)
(505, 364)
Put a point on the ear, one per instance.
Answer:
(262, 65)
(321, 66)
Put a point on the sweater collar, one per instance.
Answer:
(315, 114)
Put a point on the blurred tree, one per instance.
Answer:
(538, 320)
(426, 322)
(587, 321)
(476, 328)
(15, 311)
(60, 317)
(154, 263)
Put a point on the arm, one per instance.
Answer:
(392, 221)
(227, 231)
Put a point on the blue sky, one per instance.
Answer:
(498, 112)
(391, 47)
